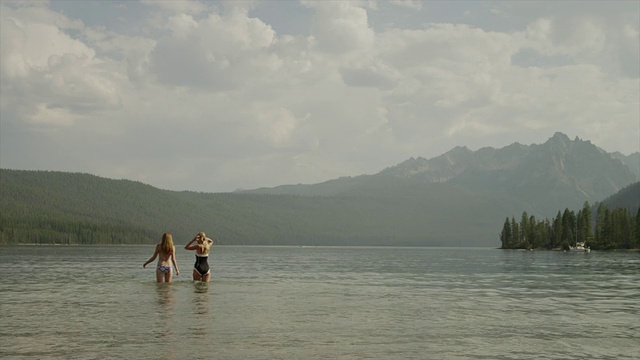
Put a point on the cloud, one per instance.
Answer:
(212, 98)
(52, 116)
(613, 45)
(625, 50)
(48, 78)
(572, 36)
(216, 52)
(377, 75)
(277, 125)
(30, 41)
(446, 65)
(341, 27)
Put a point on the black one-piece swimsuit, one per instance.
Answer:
(202, 265)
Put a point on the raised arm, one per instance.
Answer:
(192, 247)
(155, 254)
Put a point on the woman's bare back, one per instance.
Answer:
(163, 257)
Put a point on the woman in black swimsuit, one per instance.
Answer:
(203, 244)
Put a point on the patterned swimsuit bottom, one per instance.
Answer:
(164, 269)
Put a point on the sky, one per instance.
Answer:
(215, 96)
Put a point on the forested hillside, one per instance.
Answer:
(627, 198)
(57, 207)
(40, 206)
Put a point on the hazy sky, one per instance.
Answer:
(215, 96)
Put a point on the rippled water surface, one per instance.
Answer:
(320, 303)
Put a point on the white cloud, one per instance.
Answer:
(370, 73)
(28, 44)
(631, 32)
(277, 125)
(48, 77)
(217, 52)
(212, 98)
(52, 116)
(572, 36)
(341, 27)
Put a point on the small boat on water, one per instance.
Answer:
(580, 247)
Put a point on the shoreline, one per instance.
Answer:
(561, 250)
(345, 246)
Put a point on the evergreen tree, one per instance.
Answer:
(515, 233)
(568, 226)
(532, 233)
(524, 230)
(581, 227)
(607, 240)
(505, 235)
(557, 231)
(637, 230)
(599, 226)
(586, 213)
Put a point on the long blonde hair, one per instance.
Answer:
(205, 244)
(167, 243)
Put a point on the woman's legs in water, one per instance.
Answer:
(159, 276)
(163, 276)
(198, 277)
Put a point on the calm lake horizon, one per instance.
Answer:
(307, 302)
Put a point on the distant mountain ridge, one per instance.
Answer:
(559, 173)
(632, 161)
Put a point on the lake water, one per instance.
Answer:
(59, 302)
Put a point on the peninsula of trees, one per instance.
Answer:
(607, 229)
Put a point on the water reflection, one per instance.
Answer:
(200, 326)
(165, 310)
(200, 287)
(166, 297)
(201, 298)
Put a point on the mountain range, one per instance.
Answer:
(460, 198)
(541, 178)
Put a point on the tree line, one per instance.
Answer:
(607, 229)
(40, 207)
(63, 208)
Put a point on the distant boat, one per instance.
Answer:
(580, 247)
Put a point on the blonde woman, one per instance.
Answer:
(166, 253)
(202, 246)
